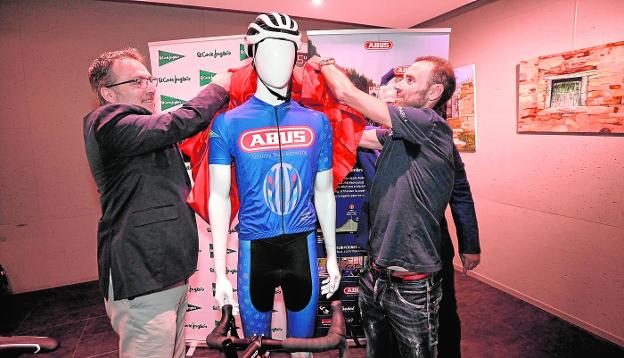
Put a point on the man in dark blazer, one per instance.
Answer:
(147, 236)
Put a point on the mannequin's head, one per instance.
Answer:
(272, 41)
(274, 60)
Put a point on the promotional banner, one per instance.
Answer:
(369, 54)
(183, 68)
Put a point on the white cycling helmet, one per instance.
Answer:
(272, 26)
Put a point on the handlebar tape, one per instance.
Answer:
(28, 344)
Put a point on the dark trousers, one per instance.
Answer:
(399, 318)
(449, 327)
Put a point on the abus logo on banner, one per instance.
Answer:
(165, 57)
(351, 290)
(378, 45)
(265, 139)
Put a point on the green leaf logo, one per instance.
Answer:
(205, 77)
(165, 57)
(167, 102)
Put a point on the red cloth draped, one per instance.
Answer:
(308, 88)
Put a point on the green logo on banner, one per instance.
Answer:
(165, 57)
(167, 102)
(243, 54)
(205, 77)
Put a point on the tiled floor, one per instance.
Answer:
(494, 324)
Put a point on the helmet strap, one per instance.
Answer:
(280, 97)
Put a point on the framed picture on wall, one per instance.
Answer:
(577, 92)
(461, 110)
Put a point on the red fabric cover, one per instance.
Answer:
(308, 88)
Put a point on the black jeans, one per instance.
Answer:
(398, 313)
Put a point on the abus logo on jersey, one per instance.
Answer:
(260, 140)
(378, 45)
(282, 188)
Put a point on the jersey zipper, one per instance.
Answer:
(282, 184)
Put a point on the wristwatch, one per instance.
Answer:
(327, 61)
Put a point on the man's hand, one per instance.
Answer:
(315, 63)
(331, 284)
(224, 295)
(223, 80)
(470, 261)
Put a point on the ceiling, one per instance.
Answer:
(397, 14)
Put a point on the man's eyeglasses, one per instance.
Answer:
(140, 82)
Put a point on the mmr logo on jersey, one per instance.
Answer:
(265, 139)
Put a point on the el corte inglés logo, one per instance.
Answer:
(205, 77)
(196, 325)
(165, 57)
(214, 54)
(243, 54)
(167, 102)
(174, 79)
(378, 45)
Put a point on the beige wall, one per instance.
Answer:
(550, 207)
(48, 202)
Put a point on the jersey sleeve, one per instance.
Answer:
(219, 142)
(412, 124)
(326, 150)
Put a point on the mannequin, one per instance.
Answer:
(283, 156)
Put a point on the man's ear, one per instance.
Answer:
(108, 94)
(435, 92)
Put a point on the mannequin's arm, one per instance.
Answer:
(219, 211)
(325, 205)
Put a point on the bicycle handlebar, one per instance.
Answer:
(30, 344)
(335, 338)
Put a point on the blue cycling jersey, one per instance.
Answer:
(277, 151)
